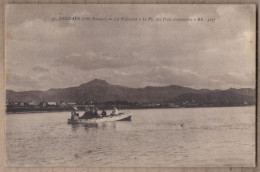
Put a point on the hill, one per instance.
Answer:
(100, 91)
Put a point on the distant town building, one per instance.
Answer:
(172, 105)
(16, 104)
(30, 103)
(62, 103)
(20, 104)
(72, 104)
(185, 102)
(51, 103)
(46, 104)
(43, 104)
(82, 103)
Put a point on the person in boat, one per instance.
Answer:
(114, 111)
(95, 113)
(104, 113)
(76, 117)
(74, 114)
(88, 114)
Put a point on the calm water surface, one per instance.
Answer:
(154, 138)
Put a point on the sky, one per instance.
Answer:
(42, 54)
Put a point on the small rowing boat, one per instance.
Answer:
(125, 116)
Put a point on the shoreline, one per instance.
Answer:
(51, 111)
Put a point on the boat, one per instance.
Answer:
(125, 116)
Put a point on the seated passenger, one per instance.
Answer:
(95, 113)
(76, 117)
(90, 115)
(114, 112)
(87, 114)
(103, 114)
(74, 113)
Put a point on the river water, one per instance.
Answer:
(154, 138)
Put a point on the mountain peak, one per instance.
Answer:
(95, 82)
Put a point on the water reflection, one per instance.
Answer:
(172, 137)
(75, 127)
(102, 126)
(106, 125)
(90, 126)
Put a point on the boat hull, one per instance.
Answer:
(121, 117)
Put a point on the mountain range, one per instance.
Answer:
(100, 91)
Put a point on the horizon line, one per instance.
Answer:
(134, 87)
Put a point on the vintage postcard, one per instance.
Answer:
(130, 85)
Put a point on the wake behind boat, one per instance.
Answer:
(125, 116)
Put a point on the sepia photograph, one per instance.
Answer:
(104, 85)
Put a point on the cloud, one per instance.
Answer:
(134, 54)
(39, 30)
(76, 55)
(19, 82)
(96, 60)
(40, 69)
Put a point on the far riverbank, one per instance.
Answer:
(58, 109)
